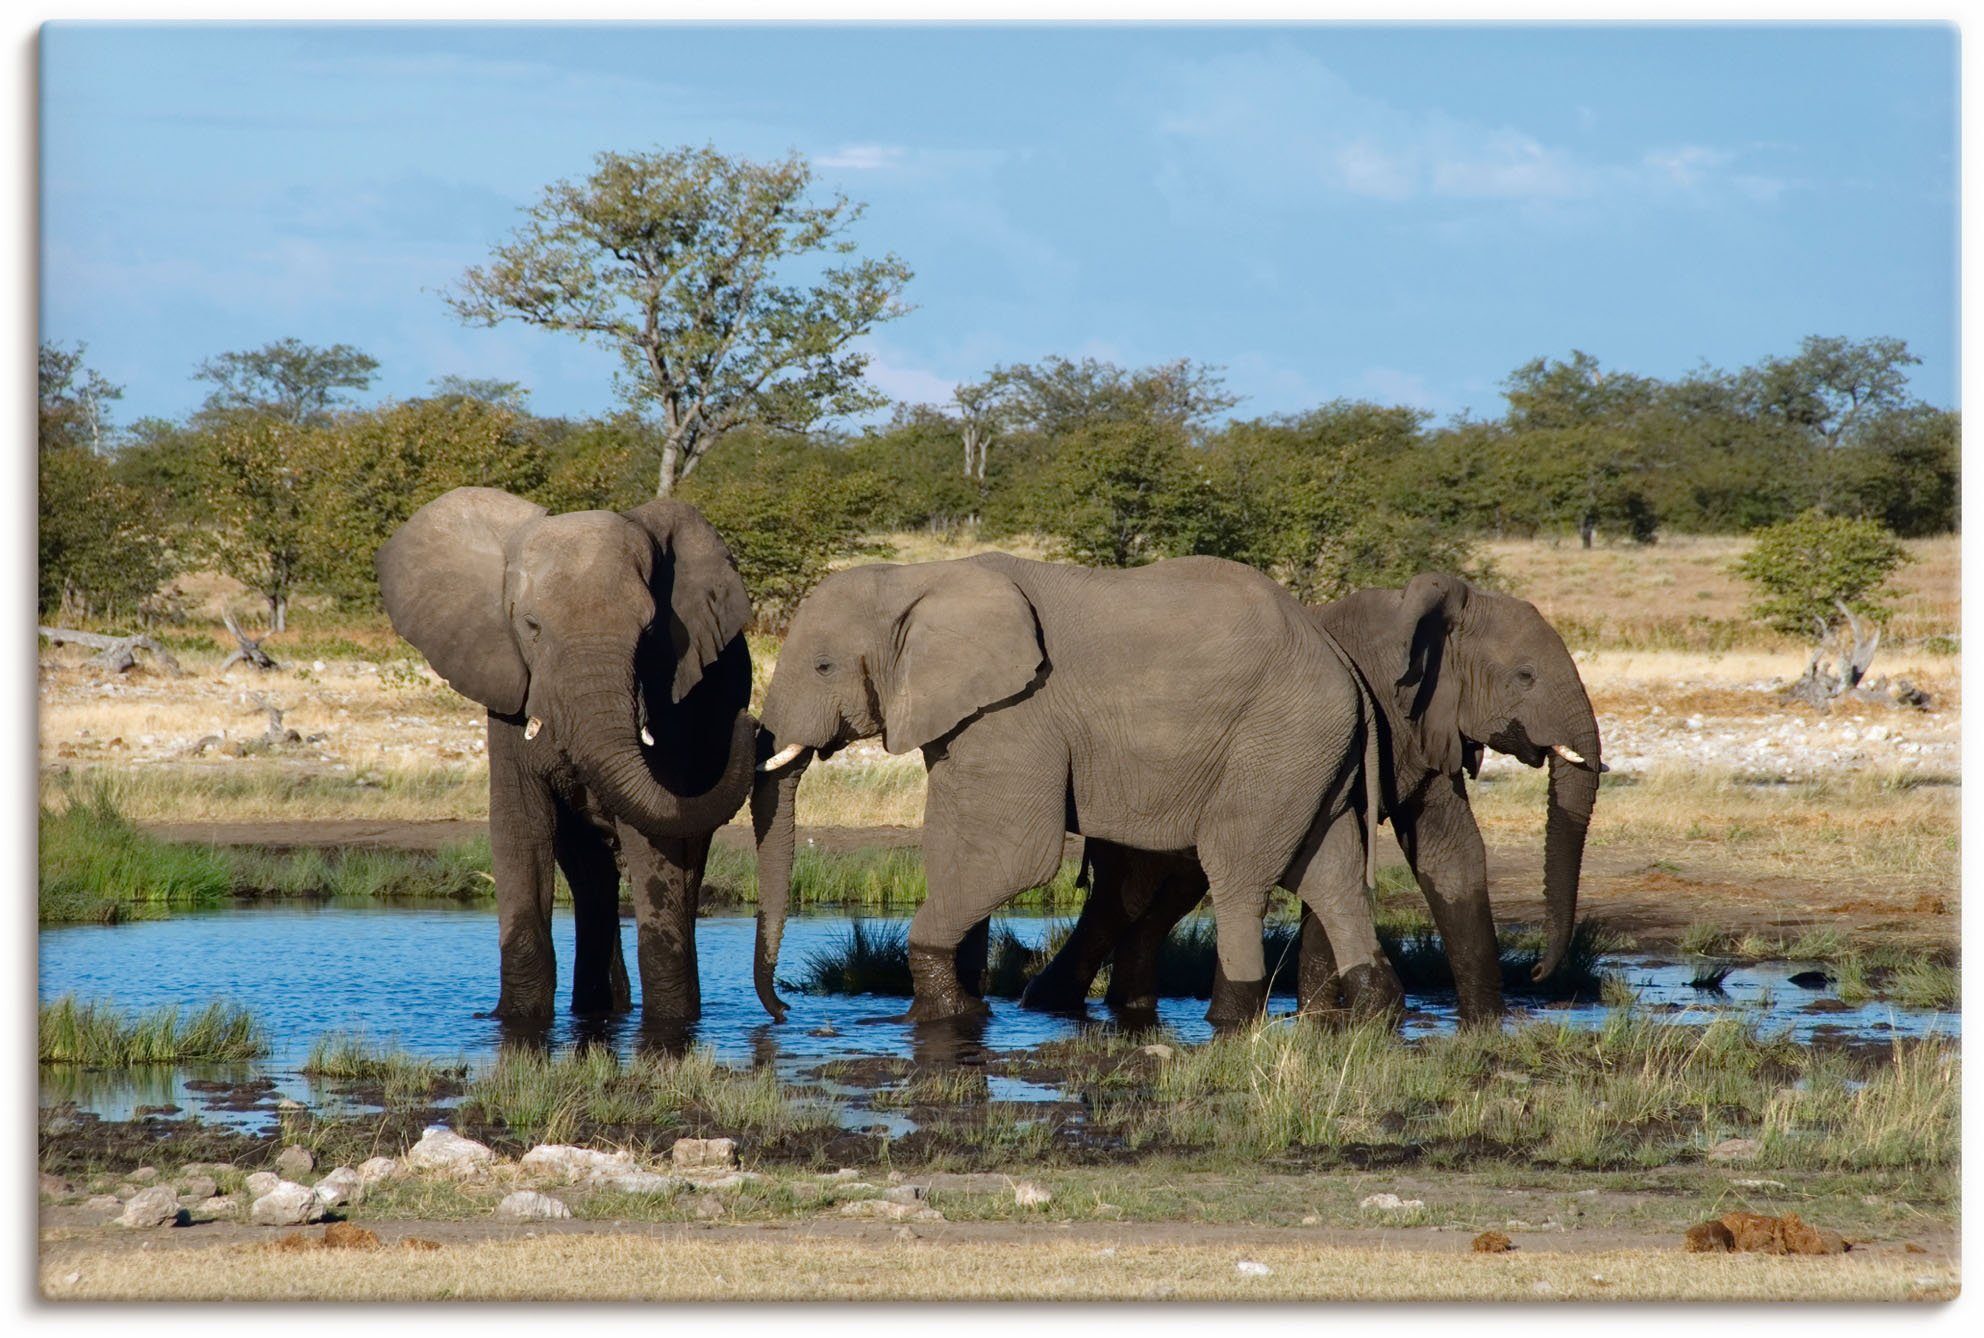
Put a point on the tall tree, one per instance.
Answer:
(679, 259)
(1832, 384)
(289, 379)
(73, 402)
(1056, 396)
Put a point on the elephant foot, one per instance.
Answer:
(938, 994)
(1053, 994)
(1236, 1003)
(1373, 992)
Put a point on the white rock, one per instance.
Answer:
(527, 1205)
(728, 1184)
(340, 1187)
(442, 1149)
(294, 1161)
(906, 1193)
(288, 1204)
(1029, 1195)
(261, 1182)
(562, 1161)
(1249, 1268)
(703, 1154)
(199, 1187)
(1158, 1051)
(644, 1182)
(219, 1203)
(889, 1211)
(154, 1207)
(375, 1169)
(1390, 1203)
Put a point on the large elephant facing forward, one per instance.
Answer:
(1187, 705)
(1454, 669)
(608, 649)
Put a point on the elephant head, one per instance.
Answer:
(905, 652)
(592, 627)
(1482, 669)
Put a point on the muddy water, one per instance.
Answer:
(418, 977)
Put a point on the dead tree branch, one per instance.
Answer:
(250, 650)
(118, 653)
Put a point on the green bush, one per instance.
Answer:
(1804, 568)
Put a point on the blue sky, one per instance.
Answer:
(1402, 214)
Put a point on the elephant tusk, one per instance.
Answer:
(782, 757)
(1573, 758)
(646, 737)
(530, 730)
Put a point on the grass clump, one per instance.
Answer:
(589, 1091)
(1634, 1092)
(341, 1056)
(96, 1035)
(871, 958)
(97, 868)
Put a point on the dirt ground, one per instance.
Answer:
(1651, 894)
(958, 1261)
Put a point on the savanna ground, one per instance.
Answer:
(1733, 824)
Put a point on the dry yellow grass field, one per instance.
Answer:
(1030, 1265)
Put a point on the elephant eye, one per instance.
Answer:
(530, 621)
(1526, 677)
(823, 667)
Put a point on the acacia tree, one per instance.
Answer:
(1825, 576)
(288, 379)
(676, 258)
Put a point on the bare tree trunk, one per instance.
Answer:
(278, 613)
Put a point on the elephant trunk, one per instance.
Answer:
(605, 729)
(1573, 791)
(772, 799)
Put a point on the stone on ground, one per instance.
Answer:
(340, 1187)
(154, 1207)
(442, 1149)
(261, 1182)
(1735, 1149)
(293, 1161)
(288, 1204)
(1390, 1203)
(562, 1161)
(703, 1154)
(375, 1169)
(1029, 1195)
(198, 1187)
(888, 1210)
(527, 1205)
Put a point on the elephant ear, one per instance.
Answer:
(697, 578)
(441, 575)
(967, 638)
(1427, 694)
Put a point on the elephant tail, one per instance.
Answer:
(1372, 788)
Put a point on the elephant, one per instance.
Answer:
(1190, 704)
(1454, 669)
(608, 650)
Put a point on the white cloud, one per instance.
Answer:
(863, 157)
(1277, 120)
(1389, 385)
(908, 384)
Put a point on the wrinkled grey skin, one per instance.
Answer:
(579, 632)
(1454, 668)
(1187, 705)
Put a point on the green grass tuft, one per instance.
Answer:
(98, 868)
(95, 1035)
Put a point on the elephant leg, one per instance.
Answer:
(1062, 985)
(986, 839)
(1134, 983)
(667, 880)
(523, 826)
(1317, 991)
(973, 956)
(599, 969)
(1329, 878)
(1443, 845)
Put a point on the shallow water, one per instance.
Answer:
(419, 976)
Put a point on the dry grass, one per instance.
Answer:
(1681, 593)
(749, 1265)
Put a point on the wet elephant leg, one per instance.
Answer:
(973, 955)
(987, 837)
(1062, 985)
(1317, 991)
(1134, 983)
(1329, 878)
(1443, 845)
(599, 969)
(522, 831)
(667, 881)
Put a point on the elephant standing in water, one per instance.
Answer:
(1454, 668)
(609, 650)
(1187, 705)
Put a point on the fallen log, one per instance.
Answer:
(249, 651)
(118, 653)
